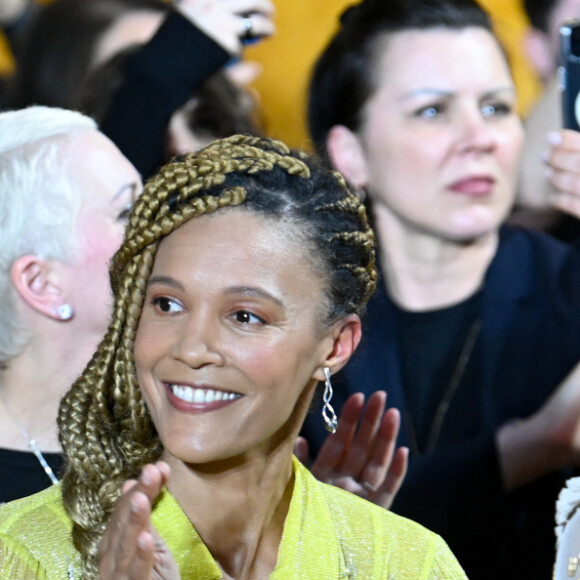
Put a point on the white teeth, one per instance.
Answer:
(191, 395)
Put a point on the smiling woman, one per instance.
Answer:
(247, 322)
(239, 286)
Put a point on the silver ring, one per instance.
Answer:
(247, 25)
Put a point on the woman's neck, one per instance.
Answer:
(238, 510)
(424, 272)
(31, 388)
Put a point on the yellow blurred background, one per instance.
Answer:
(303, 29)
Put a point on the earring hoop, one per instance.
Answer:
(328, 414)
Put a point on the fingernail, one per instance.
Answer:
(142, 542)
(145, 478)
(134, 506)
(554, 138)
(369, 486)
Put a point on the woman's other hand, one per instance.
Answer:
(224, 20)
(131, 548)
(361, 457)
(547, 440)
(563, 170)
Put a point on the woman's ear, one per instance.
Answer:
(37, 283)
(347, 156)
(346, 334)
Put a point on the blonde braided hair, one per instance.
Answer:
(104, 426)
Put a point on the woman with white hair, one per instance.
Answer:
(65, 194)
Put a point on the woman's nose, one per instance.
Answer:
(476, 134)
(196, 343)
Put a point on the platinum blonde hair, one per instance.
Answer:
(39, 203)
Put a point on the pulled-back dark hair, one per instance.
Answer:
(539, 12)
(57, 49)
(104, 428)
(343, 77)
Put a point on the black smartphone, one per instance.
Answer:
(570, 73)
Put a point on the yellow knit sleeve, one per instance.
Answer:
(445, 566)
(17, 562)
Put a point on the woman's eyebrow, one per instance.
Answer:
(167, 281)
(254, 291)
(133, 187)
(413, 94)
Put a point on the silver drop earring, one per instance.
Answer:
(328, 414)
(65, 311)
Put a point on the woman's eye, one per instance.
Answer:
(496, 109)
(166, 305)
(245, 317)
(125, 212)
(430, 112)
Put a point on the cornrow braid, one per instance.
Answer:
(104, 427)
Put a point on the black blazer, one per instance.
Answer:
(529, 341)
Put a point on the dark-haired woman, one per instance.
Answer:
(474, 326)
(239, 287)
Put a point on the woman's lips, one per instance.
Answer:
(192, 399)
(473, 186)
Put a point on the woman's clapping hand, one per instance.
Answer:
(361, 457)
(131, 548)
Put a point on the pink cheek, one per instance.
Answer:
(259, 362)
(100, 251)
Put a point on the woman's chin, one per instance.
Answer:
(475, 225)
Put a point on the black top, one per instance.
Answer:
(159, 79)
(21, 473)
(432, 343)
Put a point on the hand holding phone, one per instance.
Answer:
(569, 72)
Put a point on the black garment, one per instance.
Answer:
(21, 474)
(566, 228)
(159, 79)
(431, 345)
(529, 341)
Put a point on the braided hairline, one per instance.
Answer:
(104, 426)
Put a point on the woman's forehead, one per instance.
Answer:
(418, 57)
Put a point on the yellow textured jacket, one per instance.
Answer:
(328, 534)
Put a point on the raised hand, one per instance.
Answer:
(361, 457)
(563, 170)
(131, 549)
(224, 20)
(547, 440)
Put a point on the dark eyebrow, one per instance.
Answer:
(426, 92)
(253, 291)
(494, 92)
(246, 290)
(167, 281)
(447, 94)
